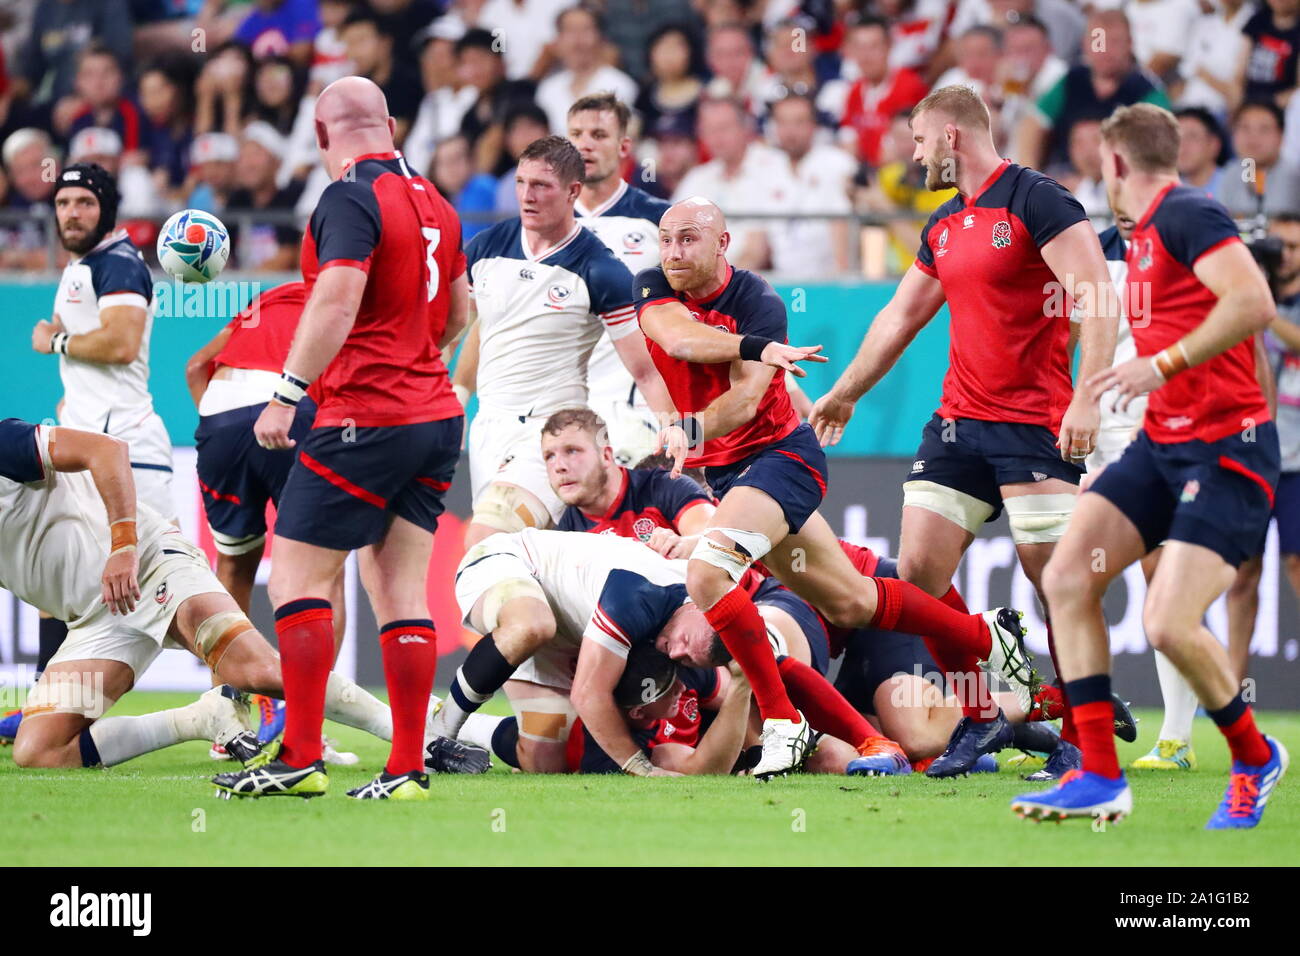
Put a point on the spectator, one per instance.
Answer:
(213, 156)
(979, 51)
(917, 30)
(820, 177)
(1084, 175)
(47, 64)
(676, 153)
(277, 93)
(329, 58)
(1162, 33)
(219, 91)
(579, 43)
(674, 86)
(744, 178)
(1027, 70)
(1064, 21)
(1274, 36)
(735, 72)
(445, 98)
(139, 196)
(480, 67)
(880, 91)
(472, 194)
(264, 246)
(792, 68)
(523, 126)
(370, 49)
(525, 28)
(1200, 148)
(100, 100)
(165, 100)
(280, 28)
(1261, 183)
(31, 165)
(1213, 72)
(1283, 343)
(405, 19)
(634, 25)
(1107, 78)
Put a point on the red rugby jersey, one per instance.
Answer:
(745, 305)
(1165, 301)
(647, 499)
(1009, 329)
(261, 334)
(383, 219)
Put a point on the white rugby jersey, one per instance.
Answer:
(540, 317)
(628, 224)
(54, 534)
(101, 397)
(1115, 248)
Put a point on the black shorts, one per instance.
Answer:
(773, 594)
(791, 471)
(348, 482)
(872, 657)
(237, 476)
(978, 458)
(1216, 494)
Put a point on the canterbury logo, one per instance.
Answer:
(411, 639)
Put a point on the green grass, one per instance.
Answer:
(160, 809)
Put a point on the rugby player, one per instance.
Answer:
(1007, 254)
(625, 219)
(717, 334)
(1199, 478)
(100, 329)
(386, 274)
(75, 543)
(544, 291)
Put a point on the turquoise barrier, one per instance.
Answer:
(888, 421)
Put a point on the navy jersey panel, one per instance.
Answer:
(753, 304)
(638, 204)
(118, 267)
(637, 607)
(360, 477)
(1191, 223)
(608, 281)
(791, 471)
(650, 286)
(1045, 206)
(774, 594)
(20, 456)
(1215, 494)
(924, 254)
(237, 476)
(347, 224)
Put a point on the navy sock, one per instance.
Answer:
(89, 752)
(505, 739)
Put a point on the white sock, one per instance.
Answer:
(118, 739)
(349, 703)
(1180, 701)
(478, 730)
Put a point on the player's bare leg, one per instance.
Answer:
(545, 718)
(505, 507)
(1243, 609)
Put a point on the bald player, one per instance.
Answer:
(718, 338)
(1008, 254)
(386, 292)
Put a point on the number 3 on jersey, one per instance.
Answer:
(432, 236)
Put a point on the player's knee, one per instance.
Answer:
(1163, 632)
(706, 584)
(536, 756)
(35, 749)
(1064, 581)
(851, 609)
(915, 569)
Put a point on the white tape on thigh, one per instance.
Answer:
(502, 593)
(545, 719)
(734, 562)
(963, 510)
(68, 692)
(1039, 519)
(509, 508)
(214, 636)
(232, 546)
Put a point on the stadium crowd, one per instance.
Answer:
(782, 110)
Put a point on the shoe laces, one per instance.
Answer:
(1243, 789)
(1169, 749)
(880, 747)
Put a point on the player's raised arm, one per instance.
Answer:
(913, 305)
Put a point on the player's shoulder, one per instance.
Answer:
(751, 289)
(572, 520)
(1015, 188)
(950, 208)
(348, 195)
(637, 606)
(498, 241)
(1187, 203)
(118, 266)
(587, 255)
(638, 204)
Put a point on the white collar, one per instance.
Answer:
(528, 253)
(605, 206)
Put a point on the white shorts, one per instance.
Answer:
(504, 449)
(171, 578)
(1111, 443)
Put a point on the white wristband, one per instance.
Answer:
(291, 389)
(1156, 365)
(638, 765)
(59, 343)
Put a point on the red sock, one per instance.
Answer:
(1049, 704)
(305, 629)
(742, 630)
(1245, 742)
(1069, 732)
(1095, 723)
(962, 670)
(410, 651)
(902, 606)
(825, 707)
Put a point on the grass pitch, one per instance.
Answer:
(160, 810)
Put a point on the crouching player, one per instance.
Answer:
(74, 543)
(1200, 477)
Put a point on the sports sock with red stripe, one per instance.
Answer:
(1094, 718)
(825, 707)
(741, 629)
(1236, 721)
(410, 650)
(305, 630)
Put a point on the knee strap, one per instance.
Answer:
(214, 636)
(545, 719)
(965, 511)
(1039, 519)
(751, 546)
(509, 508)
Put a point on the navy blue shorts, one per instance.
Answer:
(772, 593)
(978, 457)
(237, 476)
(348, 483)
(791, 471)
(872, 657)
(1216, 494)
(1286, 509)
